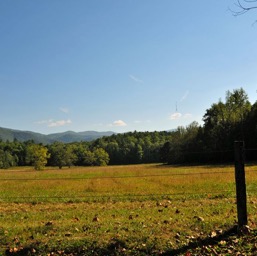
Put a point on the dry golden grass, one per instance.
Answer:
(147, 208)
(76, 183)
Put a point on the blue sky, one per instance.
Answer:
(121, 65)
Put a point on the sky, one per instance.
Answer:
(121, 65)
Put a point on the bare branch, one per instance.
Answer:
(244, 6)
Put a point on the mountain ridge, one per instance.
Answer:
(7, 134)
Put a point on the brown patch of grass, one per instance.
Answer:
(127, 210)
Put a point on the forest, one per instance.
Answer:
(213, 142)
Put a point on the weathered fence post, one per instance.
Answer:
(240, 184)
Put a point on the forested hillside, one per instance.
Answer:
(224, 122)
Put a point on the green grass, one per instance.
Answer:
(118, 210)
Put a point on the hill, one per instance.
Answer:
(66, 137)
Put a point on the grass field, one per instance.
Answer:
(122, 210)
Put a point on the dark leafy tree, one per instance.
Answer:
(79, 149)
(183, 145)
(134, 147)
(6, 159)
(61, 155)
(250, 139)
(88, 158)
(165, 152)
(225, 122)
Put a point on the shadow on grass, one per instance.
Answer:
(202, 242)
(204, 165)
(116, 247)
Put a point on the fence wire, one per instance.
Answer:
(116, 177)
(100, 198)
(110, 196)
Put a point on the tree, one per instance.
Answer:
(79, 149)
(182, 146)
(101, 157)
(225, 122)
(251, 135)
(37, 155)
(6, 159)
(244, 6)
(61, 155)
(88, 158)
(133, 147)
(237, 105)
(114, 152)
(165, 151)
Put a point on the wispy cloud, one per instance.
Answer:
(64, 110)
(136, 79)
(185, 96)
(54, 123)
(177, 115)
(119, 123)
(59, 123)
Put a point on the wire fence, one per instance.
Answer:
(117, 177)
(113, 195)
(199, 195)
(108, 196)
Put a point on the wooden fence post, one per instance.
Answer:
(240, 184)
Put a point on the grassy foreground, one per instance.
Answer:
(124, 210)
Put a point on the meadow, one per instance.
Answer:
(122, 210)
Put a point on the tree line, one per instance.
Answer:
(212, 142)
(128, 148)
(58, 154)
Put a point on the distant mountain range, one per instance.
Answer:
(66, 137)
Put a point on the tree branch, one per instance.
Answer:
(244, 6)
